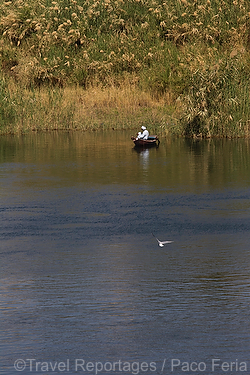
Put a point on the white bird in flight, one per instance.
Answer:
(161, 243)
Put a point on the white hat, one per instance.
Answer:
(143, 127)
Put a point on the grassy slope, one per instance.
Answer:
(179, 65)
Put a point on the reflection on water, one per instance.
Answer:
(82, 276)
(57, 159)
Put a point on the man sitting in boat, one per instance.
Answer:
(144, 134)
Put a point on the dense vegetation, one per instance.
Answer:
(180, 65)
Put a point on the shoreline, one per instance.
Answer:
(97, 108)
(179, 67)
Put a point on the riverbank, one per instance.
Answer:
(93, 109)
(126, 107)
(178, 67)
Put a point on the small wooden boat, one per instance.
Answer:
(152, 140)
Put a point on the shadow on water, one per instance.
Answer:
(83, 278)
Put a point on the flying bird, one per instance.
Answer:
(161, 243)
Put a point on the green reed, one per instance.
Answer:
(192, 55)
(8, 108)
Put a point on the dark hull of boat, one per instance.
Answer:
(150, 142)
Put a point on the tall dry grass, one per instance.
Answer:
(91, 109)
(189, 58)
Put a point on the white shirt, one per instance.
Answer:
(143, 135)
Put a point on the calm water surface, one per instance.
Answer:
(84, 287)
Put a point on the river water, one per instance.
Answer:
(85, 289)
